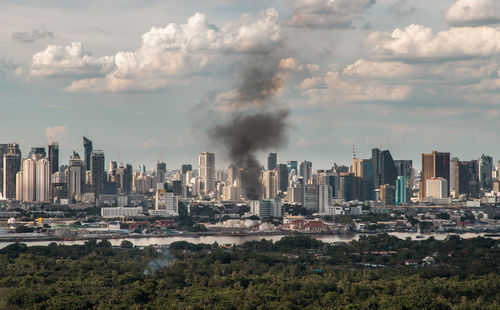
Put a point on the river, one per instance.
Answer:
(146, 241)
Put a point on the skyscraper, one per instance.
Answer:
(161, 171)
(206, 164)
(124, 176)
(282, 175)
(43, 179)
(29, 179)
(87, 146)
(485, 172)
(4, 148)
(271, 161)
(384, 168)
(305, 170)
(363, 171)
(269, 183)
(54, 157)
(97, 171)
(76, 175)
(405, 168)
(292, 165)
(401, 190)
(467, 179)
(434, 165)
(38, 152)
(11, 166)
(186, 167)
(324, 198)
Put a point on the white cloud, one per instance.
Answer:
(328, 13)
(338, 90)
(56, 133)
(293, 64)
(401, 8)
(418, 42)
(71, 61)
(371, 69)
(165, 56)
(474, 12)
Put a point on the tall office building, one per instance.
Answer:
(206, 164)
(281, 172)
(401, 190)
(292, 165)
(76, 175)
(161, 171)
(384, 168)
(405, 168)
(232, 174)
(29, 179)
(271, 161)
(37, 152)
(454, 170)
(467, 179)
(305, 170)
(332, 179)
(363, 172)
(186, 167)
(485, 172)
(434, 165)
(54, 157)
(346, 187)
(387, 193)
(87, 146)
(4, 148)
(43, 179)
(97, 172)
(124, 178)
(11, 166)
(269, 182)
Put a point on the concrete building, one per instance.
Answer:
(43, 180)
(485, 172)
(166, 202)
(206, 164)
(54, 157)
(76, 175)
(270, 184)
(87, 146)
(29, 179)
(436, 188)
(305, 171)
(401, 190)
(272, 160)
(11, 166)
(119, 212)
(324, 198)
(311, 198)
(295, 194)
(387, 194)
(434, 165)
(266, 208)
(98, 175)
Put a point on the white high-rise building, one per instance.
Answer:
(43, 180)
(436, 188)
(206, 164)
(166, 202)
(311, 197)
(19, 185)
(324, 198)
(266, 207)
(75, 176)
(29, 179)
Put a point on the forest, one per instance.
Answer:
(296, 272)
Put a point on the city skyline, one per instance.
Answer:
(348, 77)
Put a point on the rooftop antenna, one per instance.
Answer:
(353, 152)
(119, 158)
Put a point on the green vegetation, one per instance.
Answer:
(376, 272)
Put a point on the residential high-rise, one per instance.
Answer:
(232, 174)
(271, 161)
(454, 174)
(436, 188)
(434, 165)
(19, 186)
(29, 179)
(54, 157)
(87, 146)
(11, 166)
(76, 175)
(97, 172)
(269, 183)
(324, 198)
(43, 179)
(206, 164)
(485, 172)
(4, 148)
(161, 172)
(311, 198)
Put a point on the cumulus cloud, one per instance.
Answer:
(401, 8)
(29, 37)
(56, 133)
(293, 64)
(70, 61)
(474, 12)
(328, 13)
(166, 55)
(337, 89)
(418, 42)
(372, 69)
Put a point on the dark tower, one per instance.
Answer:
(87, 146)
(271, 161)
(54, 157)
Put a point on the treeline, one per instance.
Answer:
(296, 272)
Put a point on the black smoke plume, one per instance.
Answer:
(258, 123)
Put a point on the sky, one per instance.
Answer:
(147, 80)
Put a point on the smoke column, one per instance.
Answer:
(258, 124)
